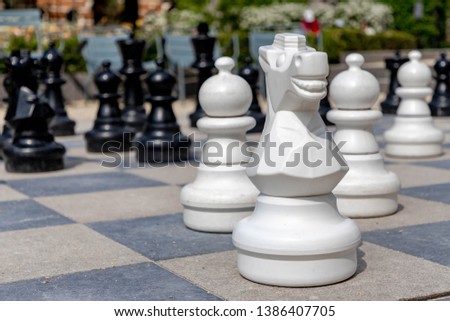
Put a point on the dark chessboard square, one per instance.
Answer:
(437, 192)
(428, 241)
(442, 164)
(163, 237)
(85, 183)
(24, 214)
(140, 282)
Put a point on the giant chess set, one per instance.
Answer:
(216, 201)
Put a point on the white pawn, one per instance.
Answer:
(413, 133)
(368, 189)
(295, 236)
(222, 194)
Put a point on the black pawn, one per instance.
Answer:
(440, 103)
(108, 134)
(392, 101)
(33, 148)
(324, 108)
(52, 62)
(132, 51)
(204, 63)
(162, 141)
(251, 75)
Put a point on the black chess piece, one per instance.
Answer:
(204, 63)
(324, 108)
(392, 101)
(132, 51)
(7, 133)
(162, 141)
(109, 133)
(52, 62)
(22, 71)
(33, 148)
(440, 103)
(251, 75)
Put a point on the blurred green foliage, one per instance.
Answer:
(430, 29)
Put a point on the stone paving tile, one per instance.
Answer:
(163, 237)
(9, 194)
(414, 175)
(139, 282)
(172, 174)
(57, 250)
(95, 182)
(383, 274)
(116, 205)
(411, 211)
(24, 214)
(437, 192)
(442, 164)
(429, 241)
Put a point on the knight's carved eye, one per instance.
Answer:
(298, 61)
(280, 60)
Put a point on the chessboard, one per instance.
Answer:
(107, 230)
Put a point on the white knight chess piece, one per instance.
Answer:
(295, 236)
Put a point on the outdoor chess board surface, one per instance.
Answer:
(91, 232)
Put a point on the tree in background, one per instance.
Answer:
(430, 28)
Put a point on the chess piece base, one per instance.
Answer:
(368, 189)
(440, 111)
(107, 142)
(413, 137)
(34, 159)
(296, 242)
(219, 197)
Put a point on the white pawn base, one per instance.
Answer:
(219, 197)
(413, 137)
(296, 242)
(368, 189)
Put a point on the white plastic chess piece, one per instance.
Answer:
(295, 236)
(368, 189)
(222, 193)
(413, 133)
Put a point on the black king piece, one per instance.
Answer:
(162, 141)
(132, 51)
(52, 62)
(204, 63)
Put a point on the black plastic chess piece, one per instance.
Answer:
(440, 103)
(109, 133)
(324, 108)
(7, 133)
(132, 51)
(251, 75)
(392, 101)
(204, 63)
(52, 62)
(33, 148)
(22, 71)
(162, 141)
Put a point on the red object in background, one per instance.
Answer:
(311, 27)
